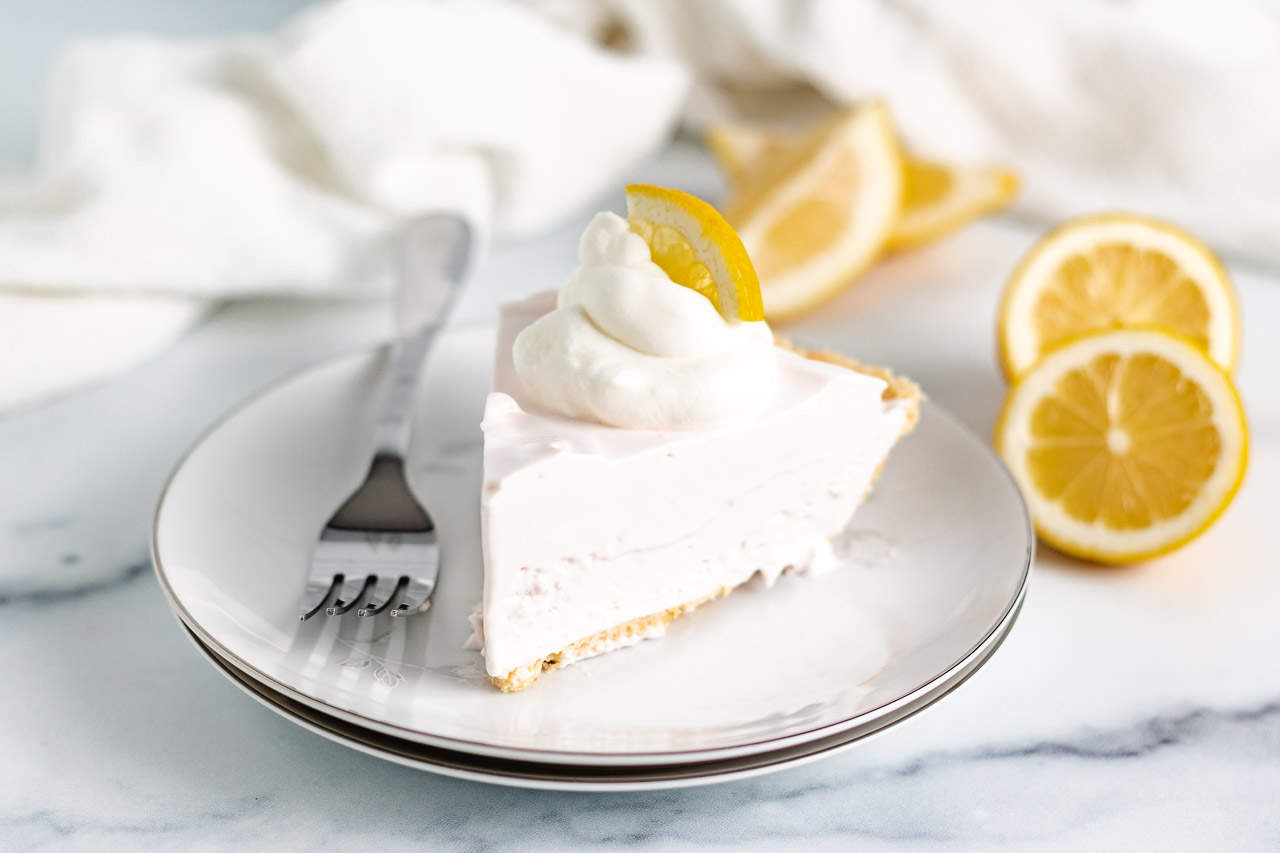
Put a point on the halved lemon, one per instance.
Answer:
(937, 197)
(1126, 444)
(817, 214)
(940, 197)
(1116, 270)
(697, 248)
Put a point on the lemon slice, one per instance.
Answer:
(937, 197)
(1112, 271)
(697, 248)
(817, 214)
(1126, 444)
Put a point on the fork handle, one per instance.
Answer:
(407, 356)
(434, 253)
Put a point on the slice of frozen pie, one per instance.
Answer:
(649, 446)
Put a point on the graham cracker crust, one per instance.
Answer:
(619, 636)
(898, 388)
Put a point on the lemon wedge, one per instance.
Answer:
(1112, 271)
(937, 197)
(815, 216)
(738, 147)
(696, 248)
(1126, 444)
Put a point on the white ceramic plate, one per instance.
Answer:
(562, 777)
(939, 558)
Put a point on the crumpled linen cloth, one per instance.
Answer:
(1169, 109)
(175, 174)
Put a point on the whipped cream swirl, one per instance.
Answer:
(629, 347)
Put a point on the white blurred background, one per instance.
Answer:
(34, 34)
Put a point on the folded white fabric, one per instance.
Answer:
(421, 104)
(1170, 109)
(279, 165)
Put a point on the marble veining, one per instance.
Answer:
(1137, 740)
(1129, 709)
(36, 595)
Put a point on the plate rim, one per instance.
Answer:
(684, 774)
(865, 718)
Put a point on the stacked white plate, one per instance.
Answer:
(937, 566)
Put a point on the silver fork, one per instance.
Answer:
(379, 551)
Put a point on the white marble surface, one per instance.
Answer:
(1130, 708)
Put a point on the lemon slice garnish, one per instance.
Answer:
(1126, 444)
(1111, 271)
(696, 248)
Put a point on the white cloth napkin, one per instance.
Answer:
(180, 173)
(1169, 109)
(172, 174)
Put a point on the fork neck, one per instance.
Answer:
(433, 251)
(407, 354)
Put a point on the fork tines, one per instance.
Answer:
(371, 573)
